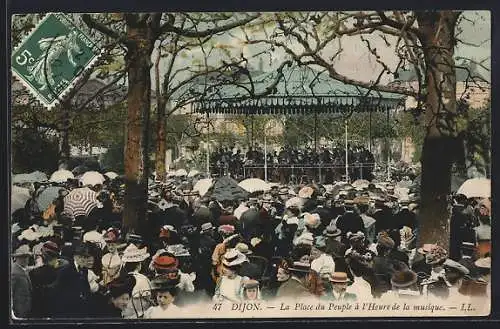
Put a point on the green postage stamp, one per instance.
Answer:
(52, 57)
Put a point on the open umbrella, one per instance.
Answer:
(61, 176)
(181, 172)
(227, 189)
(80, 202)
(360, 183)
(476, 188)
(18, 198)
(92, 178)
(36, 176)
(253, 185)
(111, 175)
(203, 185)
(47, 196)
(193, 173)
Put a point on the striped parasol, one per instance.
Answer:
(80, 202)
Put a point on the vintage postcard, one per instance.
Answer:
(250, 165)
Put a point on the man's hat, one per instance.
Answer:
(436, 255)
(300, 267)
(339, 277)
(332, 231)
(206, 227)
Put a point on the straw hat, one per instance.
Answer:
(206, 227)
(300, 267)
(483, 262)
(132, 254)
(233, 257)
(339, 277)
(178, 250)
(243, 248)
(332, 231)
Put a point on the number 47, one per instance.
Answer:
(24, 57)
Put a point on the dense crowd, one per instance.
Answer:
(306, 161)
(342, 243)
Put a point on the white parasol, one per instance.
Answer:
(203, 185)
(476, 188)
(361, 183)
(92, 178)
(18, 198)
(193, 173)
(111, 175)
(181, 172)
(252, 185)
(61, 176)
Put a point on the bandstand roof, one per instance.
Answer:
(301, 91)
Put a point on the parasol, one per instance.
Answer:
(36, 176)
(227, 189)
(193, 173)
(61, 176)
(18, 198)
(111, 175)
(92, 178)
(476, 188)
(47, 196)
(253, 185)
(361, 183)
(203, 185)
(80, 202)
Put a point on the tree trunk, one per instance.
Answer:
(439, 151)
(160, 128)
(65, 147)
(138, 62)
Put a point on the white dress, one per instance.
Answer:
(156, 312)
(229, 289)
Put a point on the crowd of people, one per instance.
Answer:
(344, 243)
(289, 162)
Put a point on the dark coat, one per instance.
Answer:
(293, 289)
(350, 222)
(21, 291)
(42, 278)
(71, 294)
